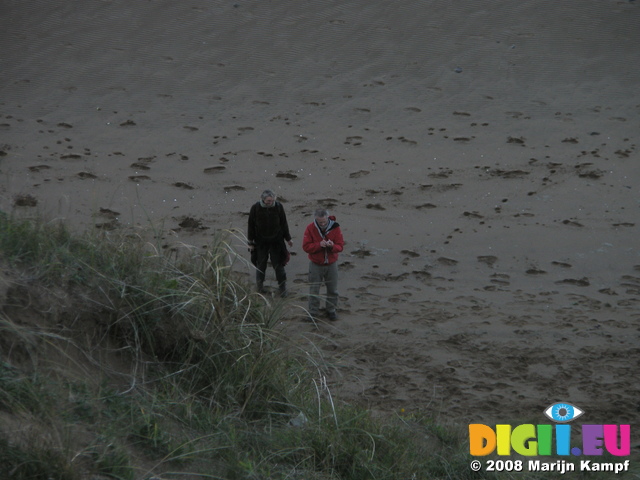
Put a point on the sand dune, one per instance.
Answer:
(481, 159)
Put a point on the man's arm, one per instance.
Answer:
(309, 244)
(251, 229)
(338, 241)
(284, 223)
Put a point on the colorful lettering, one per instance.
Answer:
(545, 432)
(482, 440)
(611, 440)
(523, 440)
(532, 440)
(563, 439)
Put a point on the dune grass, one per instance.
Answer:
(123, 362)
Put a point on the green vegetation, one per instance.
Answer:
(118, 361)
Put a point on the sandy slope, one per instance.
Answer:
(482, 161)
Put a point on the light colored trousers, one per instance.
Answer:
(319, 275)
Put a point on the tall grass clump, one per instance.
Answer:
(50, 251)
(213, 334)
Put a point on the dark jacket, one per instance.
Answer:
(313, 235)
(267, 224)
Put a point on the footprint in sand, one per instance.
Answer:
(487, 259)
(361, 252)
(406, 140)
(26, 200)
(572, 223)
(594, 174)
(508, 173)
(425, 205)
(86, 175)
(139, 178)
(447, 261)
(183, 185)
(146, 160)
(108, 213)
(400, 331)
(232, 188)
(580, 282)
(375, 206)
(632, 282)
(561, 264)
(535, 271)
(355, 140)
(38, 168)
(190, 223)
(500, 278)
(443, 173)
(216, 169)
(623, 224)
(516, 140)
(289, 175)
(399, 297)
(328, 202)
(623, 153)
(608, 291)
(140, 166)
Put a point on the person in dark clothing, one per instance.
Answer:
(268, 231)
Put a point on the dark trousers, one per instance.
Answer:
(275, 252)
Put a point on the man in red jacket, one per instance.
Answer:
(323, 242)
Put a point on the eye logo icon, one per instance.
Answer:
(563, 412)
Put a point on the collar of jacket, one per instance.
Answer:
(332, 224)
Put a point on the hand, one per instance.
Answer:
(323, 244)
(251, 247)
(329, 244)
(290, 243)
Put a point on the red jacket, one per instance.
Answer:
(312, 238)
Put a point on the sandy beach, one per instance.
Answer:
(480, 157)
